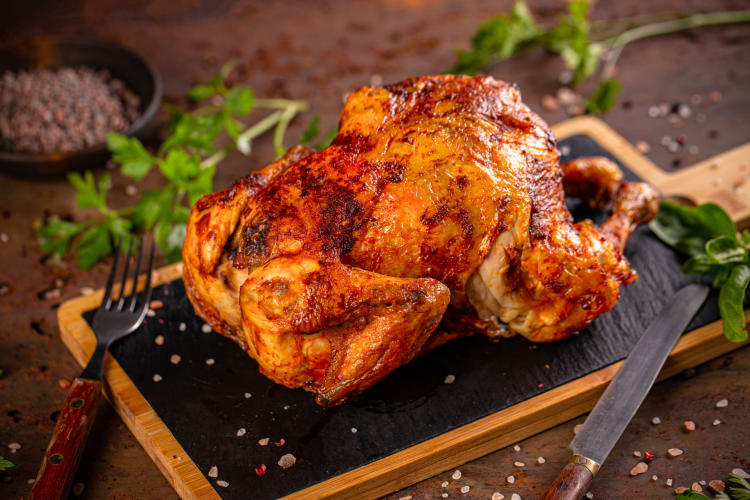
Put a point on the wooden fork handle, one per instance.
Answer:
(68, 440)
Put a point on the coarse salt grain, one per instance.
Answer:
(131, 190)
(716, 422)
(515, 496)
(519, 464)
(696, 487)
(668, 482)
(656, 420)
(175, 358)
(210, 361)
(241, 432)
(680, 490)
(689, 425)
(497, 496)
(565, 150)
(286, 407)
(287, 461)
(157, 377)
(653, 111)
(14, 447)
(577, 428)
(666, 140)
(639, 468)
(510, 479)
(264, 441)
(516, 448)
(589, 495)
(407, 497)
(702, 482)
(213, 472)
(206, 328)
(31, 481)
(354, 430)
(449, 379)
(654, 477)
(465, 489)
(159, 340)
(722, 403)
(87, 290)
(637, 454)
(540, 460)
(456, 475)
(444, 495)
(674, 452)
(182, 327)
(248, 395)
(150, 313)
(444, 484)
(693, 150)
(221, 483)
(643, 146)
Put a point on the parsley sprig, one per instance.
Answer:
(583, 46)
(710, 238)
(197, 141)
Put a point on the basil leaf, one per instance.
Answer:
(701, 264)
(724, 250)
(731, 299)
(55, 236)
(691, 495)
(136, 162)
(311, 131)
(689, 228)
(239, 101)
(93, 246)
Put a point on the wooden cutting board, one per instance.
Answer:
(412, 425)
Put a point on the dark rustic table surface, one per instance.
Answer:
(318, 51)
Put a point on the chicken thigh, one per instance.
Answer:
(333, 268)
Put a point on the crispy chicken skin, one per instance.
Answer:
(333, 268)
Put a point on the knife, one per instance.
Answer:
(612, 413)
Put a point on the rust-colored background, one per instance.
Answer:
(318, 51)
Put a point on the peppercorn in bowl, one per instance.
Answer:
(59, 100)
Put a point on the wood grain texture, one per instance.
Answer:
(429, 457)
(571, 484)
(68, 441)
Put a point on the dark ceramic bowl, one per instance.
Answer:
(134, 71)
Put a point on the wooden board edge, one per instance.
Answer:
(613, 142)
(142, 421)
(508, 426)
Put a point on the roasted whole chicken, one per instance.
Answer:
(333, 268)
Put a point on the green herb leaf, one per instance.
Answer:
(180, 167)
(130, 153)
(311, 131)
(701, 264)
(239, 101)
(152, 206)
(170, 236)
(571, 40)
(6, 464)
(89, 193)
(201, 184)
(499, 38)
(327, 139)
(731, 298)
(55, 236)
(195, 132)
(203, 91)
(94, 245)
(689, 229)
(691, 495)
(603, 98)
(725, 250)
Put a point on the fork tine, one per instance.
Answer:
(131, 305)
(147, 286)
(121, 300)
(111, 278)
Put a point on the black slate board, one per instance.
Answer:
(205, 405)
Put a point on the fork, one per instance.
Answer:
(114, 319)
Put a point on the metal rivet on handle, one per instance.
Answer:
(56, 459)
(76, 403)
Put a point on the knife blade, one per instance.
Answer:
(625, 393)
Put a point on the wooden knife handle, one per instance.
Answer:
(571, 484)
(68, 440)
